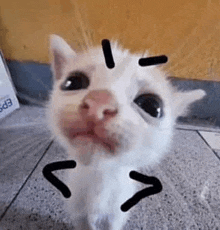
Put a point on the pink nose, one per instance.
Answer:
(99, 105)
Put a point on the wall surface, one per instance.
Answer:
(188, 31)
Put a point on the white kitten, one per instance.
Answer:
(111, 121)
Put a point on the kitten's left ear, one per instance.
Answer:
(60, 52)
(182, 100)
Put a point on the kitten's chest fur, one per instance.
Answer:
(100, 190)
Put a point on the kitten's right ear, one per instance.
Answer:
(182, 100)
(60, 52)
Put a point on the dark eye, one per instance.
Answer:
(75, 81)
(151, 104)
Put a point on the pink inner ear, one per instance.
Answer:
(57, 65)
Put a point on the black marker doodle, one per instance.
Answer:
(47, 172)
(153, 60)
(106, 47)
(156, 188)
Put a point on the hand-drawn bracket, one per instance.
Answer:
(156, 188)
(47, 172)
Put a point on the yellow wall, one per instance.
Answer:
(188, 31)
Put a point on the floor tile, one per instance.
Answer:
(39, 204)
(190, 175)
(212, 138)
(25, 116)
(197, 127)
(20, 150)
(190, 198)
(217, 152)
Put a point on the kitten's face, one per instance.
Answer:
(113, 111)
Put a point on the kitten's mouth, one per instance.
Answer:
(88, 136)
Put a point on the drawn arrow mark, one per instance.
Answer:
(156, 188)
(47, 172)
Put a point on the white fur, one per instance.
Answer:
(100, 183)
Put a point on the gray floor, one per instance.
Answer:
(190, 176)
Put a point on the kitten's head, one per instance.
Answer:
(115, 111)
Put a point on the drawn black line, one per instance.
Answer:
(106, 47)
(156, 188)
(47, 172)
(153, 60)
